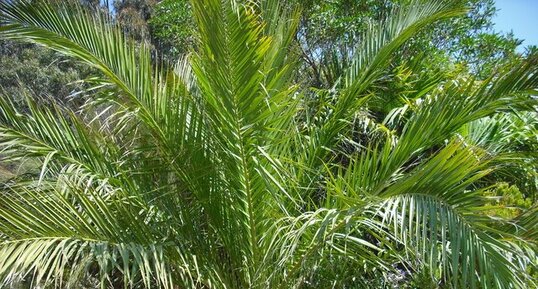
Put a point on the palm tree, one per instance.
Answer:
(218, 173)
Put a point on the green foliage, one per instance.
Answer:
(507, 201)
(223, 172)
(32, 70)
(330, 31)
(29, 69)
(172, 28)
(133, 16)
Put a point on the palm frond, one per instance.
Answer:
(78, 223)
(371, 60)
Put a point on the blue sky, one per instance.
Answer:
(520, 16)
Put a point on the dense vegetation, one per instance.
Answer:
(266, 144)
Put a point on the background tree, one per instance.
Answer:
(173, 28)
(330, 32)
(31, 70)
(133, 16)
